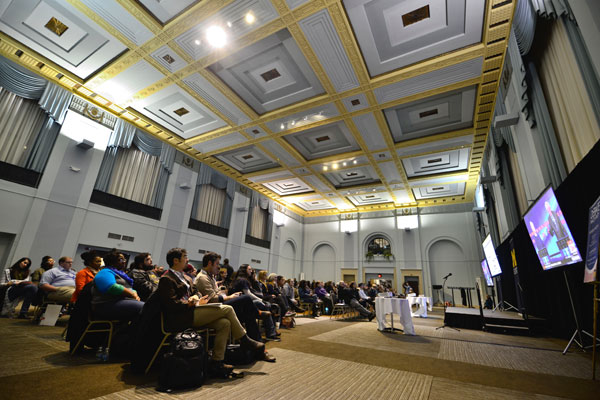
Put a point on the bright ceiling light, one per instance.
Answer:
(354, 162)
(249, 18)
(325, 168)
(216, 36)
(197, 42)
(335, 166)
(229, 24)
(344, 164)
(293, 123)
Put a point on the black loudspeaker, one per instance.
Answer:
(436, 287)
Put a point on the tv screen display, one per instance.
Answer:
(550, 233)
(486, 273)
(490, 256)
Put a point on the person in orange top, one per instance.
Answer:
(93, 263)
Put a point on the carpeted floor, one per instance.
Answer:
(319, 359)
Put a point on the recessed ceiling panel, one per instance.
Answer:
(120, 19)
(286, 187)
(166, 57)
(273, 176)
(61, 33)
(393, 34)
(247, 159)
(390, 172)
(278, 151)
(437, 180)
(437, 145)
(437, 114)
(352, 177)
(177, 110)
(444, 162)
(317, 183)
(314, 205)
(234, 22)
(370, 198)
(135, 78)
(165, 10)
(431, 192)
(220, 142)
(269, 74)
(323, 141)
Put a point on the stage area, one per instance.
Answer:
(323, 359)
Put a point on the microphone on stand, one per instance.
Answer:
(446, 277)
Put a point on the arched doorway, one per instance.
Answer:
(287, 260)
(445, 257)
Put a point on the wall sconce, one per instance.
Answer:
(185, 186)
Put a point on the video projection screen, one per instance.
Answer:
(490, 256)
(550, 233)
(486, 273)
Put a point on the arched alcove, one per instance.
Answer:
(287, 259)
(323, 262)
(446, 256)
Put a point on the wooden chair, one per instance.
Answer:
(91, 328)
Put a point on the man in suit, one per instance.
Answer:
(243, 305)
(558, 230)
(182, 308)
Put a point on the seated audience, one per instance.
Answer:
(287, 290)
(244, 307)
(190, 271)
(228, 279)
(307, 296)
(112, 294)
(244, 278)
(489, 303)
(59, 282)
(350, 297)
(324, 297)
(46, 264)
(143, 273)
(182, 309)
(93, 263)
(278, 298)
(18, 282)
(363, 298)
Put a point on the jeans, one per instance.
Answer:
(246, 312)
(361, 310)
(269, 325)
(121, 309)
(27, 292)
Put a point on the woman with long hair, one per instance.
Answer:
(18, 280)
(93, 263)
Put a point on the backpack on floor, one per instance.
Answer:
(288, 322)
(237, 355)
(185, 364)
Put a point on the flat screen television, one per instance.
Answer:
(486, 273)
(550, 233)
(490, 256)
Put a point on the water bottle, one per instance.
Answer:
(99, 354)
(105, 355)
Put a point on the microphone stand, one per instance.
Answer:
(444, 295)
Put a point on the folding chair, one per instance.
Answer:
(110, 324)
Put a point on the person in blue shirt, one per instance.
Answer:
(112, 294)
(59, 282)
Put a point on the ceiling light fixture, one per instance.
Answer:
(344, 164)
(216, 36)
(197, 42)
(293, 123)
(229, 24)
(249, 18)
(325, 168)
(354, 162)
(282, 126)
(335, 166)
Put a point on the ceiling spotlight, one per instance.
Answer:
(335, 166)
(306, 118)
(197, 42)
(216, 36)
(229, 24)
(249, 18)
(344, 164)
(354, 162)
(293, 123)
(325, 168)
(374, 190)
(282, 126)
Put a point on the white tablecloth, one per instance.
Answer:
(401, 307)
(424, 304)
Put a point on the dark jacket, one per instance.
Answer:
(171, 292)
(144, 282)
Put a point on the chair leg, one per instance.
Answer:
(156, 354)
(110, 333)
(80, 340)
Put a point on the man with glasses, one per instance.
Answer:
(59, 282)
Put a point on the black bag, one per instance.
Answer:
(185, 365)
(236, 355)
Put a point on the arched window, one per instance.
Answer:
(379, 246)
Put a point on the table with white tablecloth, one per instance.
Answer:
(401, 307)
(423, 303)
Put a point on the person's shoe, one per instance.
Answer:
(290, 314)
(251, 344)
(371, 316)
(265, 356)
(264, 314)
(272, 339)
(277, 333)
(218, 368)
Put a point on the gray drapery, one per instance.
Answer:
(524, 22)
(124, 135)
(552, 156)
(519, 70)
(42, 146)
(20, 81)
(210, 177)
(550, 8)
(504, 134)
(55, 101)
(255, 226)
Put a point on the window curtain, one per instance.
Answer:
(31, 112)
(136, 166)
(524, 21)
(260, 217)
(213, 200)
(566, 92)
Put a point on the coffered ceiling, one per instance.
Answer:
(326, 106)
